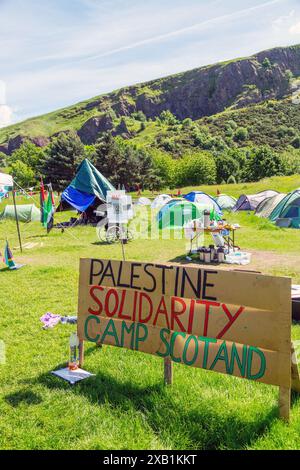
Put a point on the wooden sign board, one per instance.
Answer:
(236, 323)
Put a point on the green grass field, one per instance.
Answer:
(125, 406)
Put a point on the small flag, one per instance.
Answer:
(214, 216)
(49, 209)
(42, 201)
(8, 259)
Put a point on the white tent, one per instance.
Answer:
(160, 201)
(144, 201)
(5, 181)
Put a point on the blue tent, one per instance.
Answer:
(88, 186)
(204, 201)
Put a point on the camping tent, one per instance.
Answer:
(204, 201)
(160, 201)
(88, 189)
(226, 202)
(177, 213)
(250, 203)
(6, 183)
(267, 206)
(144, 201)
(26, 213)
(288, 208)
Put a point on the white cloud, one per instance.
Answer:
(5, 115)
(295, 28)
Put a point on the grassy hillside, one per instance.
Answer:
(206, 91)
(282, 184)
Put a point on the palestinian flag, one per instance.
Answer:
(214, 216)
(49, 209)
(8, 258)
(42, 201)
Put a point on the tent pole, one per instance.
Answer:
(17, 219)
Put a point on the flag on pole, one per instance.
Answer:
(49, 209)
(42, 201)
(8, 258)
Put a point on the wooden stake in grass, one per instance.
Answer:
(284, 403)
(168, 371)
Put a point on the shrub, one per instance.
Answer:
(241, 134)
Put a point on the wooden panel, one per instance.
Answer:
(230, 322)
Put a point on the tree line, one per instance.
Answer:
(128, 165)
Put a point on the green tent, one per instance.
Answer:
(267, 206)
(177, 213)
(226, 203)
(26, 213)
(288, 208)
(88, 186)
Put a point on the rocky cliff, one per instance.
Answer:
(194, 94)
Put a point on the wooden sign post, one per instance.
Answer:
(235, 323)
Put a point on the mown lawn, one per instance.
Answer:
(125, 406)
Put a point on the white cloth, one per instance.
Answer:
(6, 180)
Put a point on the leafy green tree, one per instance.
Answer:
(262, 163)
(194, 169)
(241, 134)
(168, 118)
(62, 159)
(23, 174)
(124, 164)
(29, 154)
(164, 166)
(226, 167)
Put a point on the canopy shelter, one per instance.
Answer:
(226, 202)
(6, 184)
(267, 206)
(288, 208)
(25, 213)
(204, 201)
(88, 189)
(177, 213)
(250, 203)
(160, 201)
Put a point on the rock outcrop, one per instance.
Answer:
(194, 94)
(94, 127)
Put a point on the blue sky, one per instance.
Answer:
(54, 53)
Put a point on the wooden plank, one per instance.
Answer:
(295, 371)
(230, 287)
(168, 371)
(261, 328)
(216, 355)
(254, 343)
(284, 403)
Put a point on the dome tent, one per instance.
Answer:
(288, 208)
(177, 213)
(89, 188)
(160, 201)
(250, 203)
(204, 201)
(226, 202)
(267, 206)
(26, 213)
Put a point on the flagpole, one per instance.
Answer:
(17, 219)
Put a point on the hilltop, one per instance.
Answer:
(255, 92)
